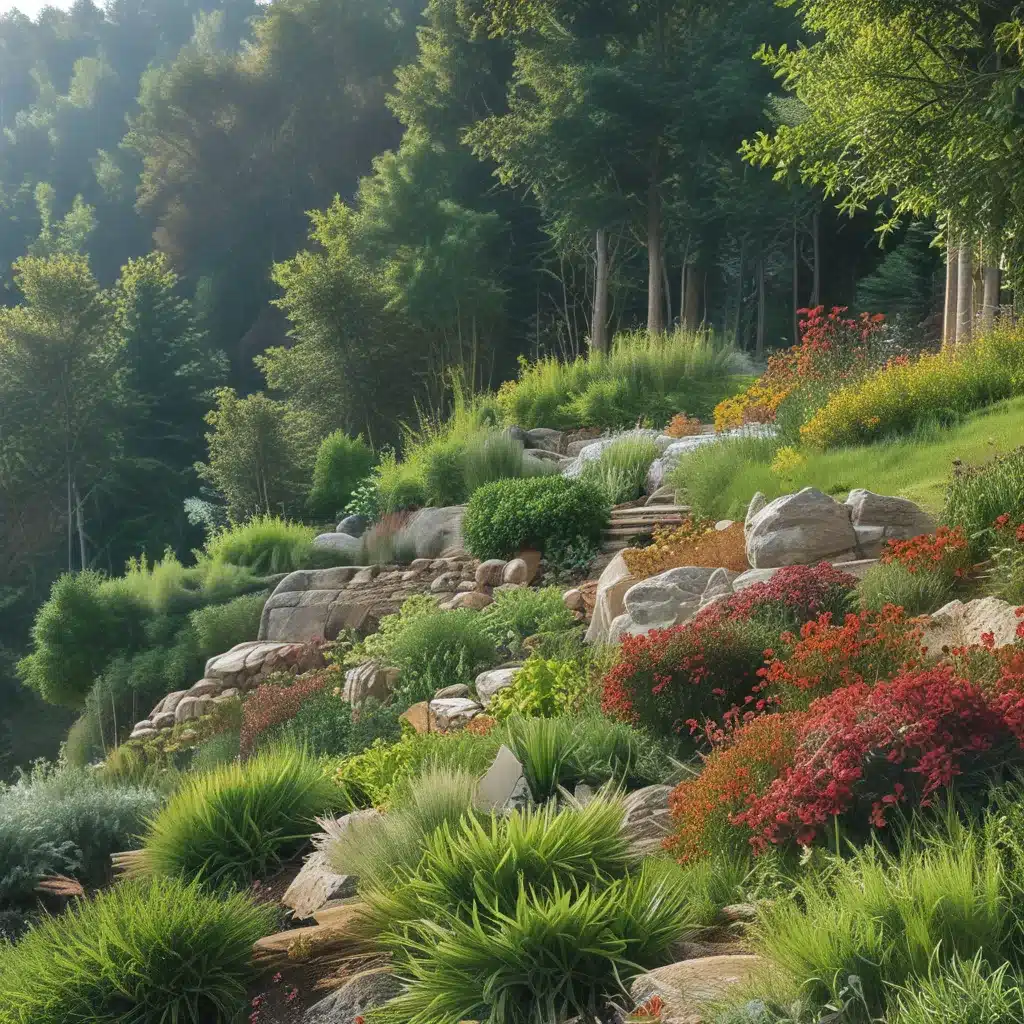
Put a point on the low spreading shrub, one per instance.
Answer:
(274, 703)
(978, 495)
(518, 614)
(543, 513)
(399, 485)
(682, 425)
(866, 648)
(735, 774)
(60, 820)
(934, 387)
(219, 627)
(239, 822)
(864, 751)
(378, 646)
(891, 920)
(693, 543)
(158, 950)
(342, 463)
(674, 681)
(620, 472)
(542, 688)
(438, 650)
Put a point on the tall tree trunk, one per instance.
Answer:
(759, 343)
(965, 292)
(668, 294)
(990, 299)
(952, 270)
(816, 241)
(796, 286)
(599, 326)
(739, 295)
(691, 302)
(80, 526)
(655, 277)
(71, 521)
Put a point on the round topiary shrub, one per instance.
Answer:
(546, 513)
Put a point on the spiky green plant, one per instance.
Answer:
(142, 952)
(239, 821)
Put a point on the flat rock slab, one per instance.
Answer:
(316, 885)
(364, 992)
(688, 986)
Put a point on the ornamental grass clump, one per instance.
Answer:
(153, 950)
(979, 495)
(240, 822)
(621, 469)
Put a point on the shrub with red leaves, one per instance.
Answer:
(866, 648)
(271, 704)
(673, 681)
(735, 774)
(791, 597)
(864, 750)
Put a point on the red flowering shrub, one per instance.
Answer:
(946, 551)
(734, 775)
(866, 648)
(791, 597)
(863, 750)
(674, 680)
(271, 704)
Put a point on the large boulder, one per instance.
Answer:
(354, 526)
(314, 605)
(490, 682)
(343, 544)
(878, 518)
(362, 993)
(610, 599)
(689, 988)
(801, 529)
(501, 782)
(960, 624)
(669, 598)
(647, 823)
(433, 533)
(545, 439)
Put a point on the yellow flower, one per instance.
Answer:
(787, 461)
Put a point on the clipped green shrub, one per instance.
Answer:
(544, 513)
(621, 470)
(978, 495)
(438, 650)
(400, 485)
(444, 472)
(145, 951)
(342, 463)
(518, 614)
(62, 820)
(241, 821)
(265, 545)
(219, 627)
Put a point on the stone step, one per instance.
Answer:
(650, 511)
(635, 529)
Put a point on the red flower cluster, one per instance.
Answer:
(791, 597)
(862, 750)
(735, 774)
(269, 705)
(673, 680)
(866, 648)
(832, 346)
(945, 551)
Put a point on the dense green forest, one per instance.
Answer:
(269, 222)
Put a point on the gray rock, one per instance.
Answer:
(206, 688)
(720, 584)
(668, 598)
(752, 576)
(446, 583)
(757, 503)
(454, 712)
(615, 580)
(583, 794)
(800, 529)
(316, 885)
(364, 992)
(724, 524)
(144, 733)
(961, 624)
(516, 571)
(165, 720)
(517, 434)
(371, 679)
(573, 600)
(665, 495)
(475, 600)
(545, 439)
(647, 822)
(458, 690)
(490, 682)
(171, 701)
(354, 526)
(500, 782)
(433, 532)
(878, 518)
(342, 544)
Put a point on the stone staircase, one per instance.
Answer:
(628, 522)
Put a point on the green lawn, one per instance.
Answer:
(720, 480)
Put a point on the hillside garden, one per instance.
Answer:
(720, 771)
